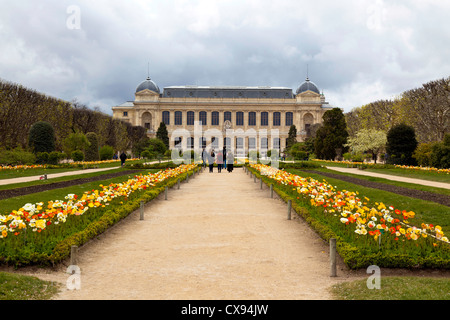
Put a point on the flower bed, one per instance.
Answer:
(368, 233)
(43, 233)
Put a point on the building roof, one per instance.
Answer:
(148, 84)
(308, 86)
(227, 92)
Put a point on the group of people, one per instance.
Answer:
(223, 158)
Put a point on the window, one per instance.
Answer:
(202, 142)
(239, 118)
(215, 142)
(147, 125)
(276, 118)
(125, 113)
(239, 143)
(251, 143)
(203, 118)
(178, 118)
(227, 116)
(215, 118)
(190, 118)
(190, 143)
(264, 118)
(178, 142)
(166, 117)
(227, 142)
(264, 143)
(252, 118)
(276, 143)
(289, 118)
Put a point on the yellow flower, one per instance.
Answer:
(40, 224)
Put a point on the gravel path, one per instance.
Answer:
(393, 177)
(219, 237)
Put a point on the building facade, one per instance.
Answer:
(243, 118)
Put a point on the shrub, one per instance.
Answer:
(17, 157)
(401, 143)
(41, 137)
(77, 155)
(106, 153)
(423, 154)
(91, 153)
(41, 157)
(146, 154)
(54, 157)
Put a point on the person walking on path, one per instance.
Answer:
(204, 157)
(230, 161)
(211, 159)
(219, 161)
(123, 157)
(224, 152)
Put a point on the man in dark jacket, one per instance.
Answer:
(123, 157)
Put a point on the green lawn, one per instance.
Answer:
(59, 179)
(395, 288)
(390, 182)
(19, 287)
(10, 173)
(416, 174)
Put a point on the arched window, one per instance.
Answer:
(264, 118)
(239, 118)
(190, 118)
(289, 118)
(178, 118)
(276, 118)
(166, 117)
(252, 118)
(215, 118)
(227, 116)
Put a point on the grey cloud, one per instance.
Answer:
(374, 49)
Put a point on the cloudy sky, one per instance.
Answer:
(98, 51)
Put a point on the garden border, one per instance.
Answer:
(351, 256)
(62, 249)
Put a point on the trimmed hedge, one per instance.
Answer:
(352, 255)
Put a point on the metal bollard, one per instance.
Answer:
(332, 257)
(260, 183)
(73, 255)
(142, 210)
(178, 184)
(289, 209)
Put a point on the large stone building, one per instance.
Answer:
(267, 111)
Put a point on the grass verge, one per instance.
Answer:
(20, 287)
(395, 288)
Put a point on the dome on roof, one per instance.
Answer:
(148, 84)
(308, 85)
